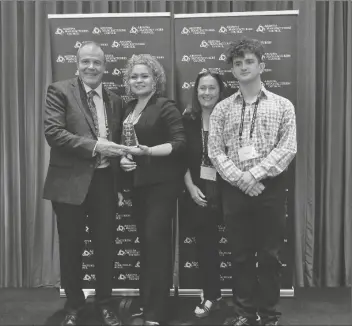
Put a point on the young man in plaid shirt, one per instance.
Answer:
(252, 140)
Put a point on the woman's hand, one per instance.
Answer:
(127, 164)
(139, 150)
(197, 196)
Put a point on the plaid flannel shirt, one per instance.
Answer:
(274, 136)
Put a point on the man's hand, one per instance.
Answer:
(246, 182)
(197, 196)
(110, 149)
(256, 190)
(127, 164)
(120, 199)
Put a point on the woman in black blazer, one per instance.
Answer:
(202, 200)
(153, 125)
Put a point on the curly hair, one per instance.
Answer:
(195, 110)
(153, 64)
(238, 49)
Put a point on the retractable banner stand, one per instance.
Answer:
(200, 43)
(120, 36)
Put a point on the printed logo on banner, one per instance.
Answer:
(222, 57)
(129, 252)
(187, 85)
(69, 58)
(276, 56)
(275, 83)
(234, 29)
(88, 277)
(122, 241)
(136, 240)
(223, 240)
(225, 278)
(70, 31)
(87, 266)
(112, 85)
(117, 72)
(196, 58)
(107, 30)
(272, 28)
(87, 229)
(226, 264)
(96, 30)
(221, 228)
(129, 277)
(88, 253)
(233, 84)
(145, 30)
(118, 265)
(138, 264)
(120, 228)
(224, 253)
(191, 264)
(112, 58)
(126, 44)
(190, 240)
(196, 30)
(78, 45)
(86, 242)
(122, 216)
(211, 43)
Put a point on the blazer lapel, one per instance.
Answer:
(148, 111)
(81, 98)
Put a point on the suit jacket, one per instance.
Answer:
(70, 132)
(160, 122)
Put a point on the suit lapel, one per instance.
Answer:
(148, 111)
(81, 98)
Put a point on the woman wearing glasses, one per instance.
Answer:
(202, 197)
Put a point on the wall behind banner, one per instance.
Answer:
(199, 43)
(120, 36)
(201, 40)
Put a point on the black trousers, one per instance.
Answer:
(255, 225)
(101, 205)
(154, 207)
(204, 222)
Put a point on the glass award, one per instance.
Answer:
(129, 136)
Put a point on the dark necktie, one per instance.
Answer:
(93, 110)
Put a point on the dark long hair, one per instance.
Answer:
(195, 110)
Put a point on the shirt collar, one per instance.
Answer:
(99, 89)
(264, 93)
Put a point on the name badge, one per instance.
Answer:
(247, 153)
(207, 173)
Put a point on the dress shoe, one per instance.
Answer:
(70, 319)
(109, 317)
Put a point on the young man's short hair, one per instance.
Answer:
(239, 48)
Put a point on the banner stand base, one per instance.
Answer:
(115, 292)
(284, 293)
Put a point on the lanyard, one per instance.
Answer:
(253, 118)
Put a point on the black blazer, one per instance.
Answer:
(194, 151)
(160, 122)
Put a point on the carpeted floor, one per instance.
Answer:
(310, 306)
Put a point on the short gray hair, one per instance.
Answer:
(90, 43)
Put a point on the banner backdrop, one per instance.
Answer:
(200, 43)
(120, 36)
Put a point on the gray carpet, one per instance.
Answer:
(310, 306)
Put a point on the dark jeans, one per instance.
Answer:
(255, 225)
(154, 207)
(100, 205)
(205, 229)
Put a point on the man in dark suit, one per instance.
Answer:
(83, 126)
